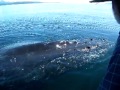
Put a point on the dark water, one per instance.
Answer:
(23, 26)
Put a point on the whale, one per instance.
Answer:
(44, 60)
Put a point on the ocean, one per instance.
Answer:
(30, 34)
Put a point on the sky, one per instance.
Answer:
(64, 1)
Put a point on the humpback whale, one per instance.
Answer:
(41, 61)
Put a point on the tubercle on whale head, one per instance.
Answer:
(64, 44)
(58, 46)
(85, 49)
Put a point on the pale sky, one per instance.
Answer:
(64, 1)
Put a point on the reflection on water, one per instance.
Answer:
(51, 45)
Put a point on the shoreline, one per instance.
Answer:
(14, 3)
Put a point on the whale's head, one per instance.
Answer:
(40, 61)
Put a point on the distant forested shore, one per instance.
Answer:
(10, 3)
